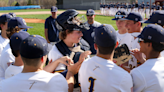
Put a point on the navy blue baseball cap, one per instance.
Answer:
(105, 36)
(54, 9)
(17, 22)
(17, 38)
(34, 46)
(156, 17)
(134, 17)
(90, 12)
(120, 15)
(5, 18)
(12, 14)
(153, 32)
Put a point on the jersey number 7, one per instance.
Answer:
(92, 81)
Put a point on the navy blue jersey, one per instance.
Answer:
(147, 6)
(163, 7)
(101, 5)
(129, 6)
(153, 7)
(142, 6)
(53, 32)
(158, 7)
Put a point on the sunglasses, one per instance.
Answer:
(140, 40)
(119, 16)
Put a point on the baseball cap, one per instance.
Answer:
(5, 18)
(105, 36)
(17, 38)
(154, 33)
(12, 14)
(134, 16)
(17, 22)
(156, 17)
(54, 9)
(120, 14)
(90, 12)
(34, 46)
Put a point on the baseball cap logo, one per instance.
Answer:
(136, 19)
(159, 21)
(24, 21)
(149, 37)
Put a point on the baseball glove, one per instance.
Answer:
(121, 54)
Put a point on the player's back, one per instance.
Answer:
(40, 81)
(100, 75)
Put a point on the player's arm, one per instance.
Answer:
(46, 30)
(126, 84)
(46, 34)
(53, 65)
(73, 69)
(138, 81)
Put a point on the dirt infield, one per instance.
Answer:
(34, 20)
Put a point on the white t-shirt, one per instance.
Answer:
(134, 45)
(124, 39)
(5, 60)
(149, 77)
(55, 54)
(102, 75)
(3, 43)
(12, 70)
(40, 81)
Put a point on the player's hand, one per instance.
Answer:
(84, 55)
(65, 60)
(74, 68)
(138, 55)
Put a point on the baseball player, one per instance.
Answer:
(123, 37)
(87, 35)
(149, 76)
(157, 18)
(51, 32)
(147, 10)
(3, 27)
(33, 78)
(134, 26)
(6, 56)
(99, 73)
(70, 45)
(15, 41)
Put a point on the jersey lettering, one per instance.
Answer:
(92, 81)
(32, 84)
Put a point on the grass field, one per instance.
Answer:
(38, 28)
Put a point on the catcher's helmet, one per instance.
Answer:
(67, 20)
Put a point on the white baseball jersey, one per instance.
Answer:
(40, 81)
(12, 70)
(5, 60)
(55, 54)
(124, 39)
(134, 45)
(3, 43)
(100, 75)
(149, 77)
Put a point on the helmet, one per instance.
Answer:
(67, 20)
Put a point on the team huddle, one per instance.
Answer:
(83, 56)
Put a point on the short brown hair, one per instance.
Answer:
(11, 31)
(63, 34)
(31, 62)
(106, 50)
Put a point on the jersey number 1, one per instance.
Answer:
(92, 81)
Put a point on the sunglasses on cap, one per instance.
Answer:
(140, 40)
(119, 16)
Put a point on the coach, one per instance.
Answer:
(51, 32)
